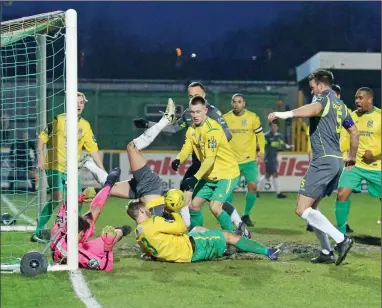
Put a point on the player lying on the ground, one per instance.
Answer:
(145, 184)
(96, 254)
(274, 143)
(327, 115)
(167, 240)
(185, 121)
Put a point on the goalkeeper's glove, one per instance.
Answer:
(108, 236)
(175, 164)
(141, 123)
(188, 184)
(87, 195)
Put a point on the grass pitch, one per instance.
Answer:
(241, 281)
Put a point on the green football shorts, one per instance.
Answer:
(352, 179)
(249, 170)
(219, 190)
(56, 180)
(209, 245)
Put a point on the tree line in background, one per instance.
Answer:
(256, 53)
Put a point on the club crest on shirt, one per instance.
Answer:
(244, 122)
(370, 123)
(80, 131)
(212, 143)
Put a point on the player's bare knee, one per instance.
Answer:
(299, 210)
(216, 207)
(252, 187)
(343, 194)
(131, 147)
(275, 175)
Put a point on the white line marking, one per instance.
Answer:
(82, 290)
(15, 210)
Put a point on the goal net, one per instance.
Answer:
(38, 82)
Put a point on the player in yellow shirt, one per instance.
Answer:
(246, 130)
(54, 164)
(368, 165)
(219, 172)
(167, 240)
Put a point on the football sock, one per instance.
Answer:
(319, 221)
(261, 183)
(324, 239)
(248, 245)
(342, 214)
(276, 185)
(250, 200)
(225, 221)
(196, 219)
(231, 211)
(99, 174)
(150, 134)
(185, 213)
(45, 215)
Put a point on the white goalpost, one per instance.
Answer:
(38, 81)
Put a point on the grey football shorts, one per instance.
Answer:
(145, 182)
(322, 177)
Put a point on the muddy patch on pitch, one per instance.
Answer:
(301, 250)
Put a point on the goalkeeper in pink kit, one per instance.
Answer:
(94, 254)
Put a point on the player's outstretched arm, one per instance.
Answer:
(306, 111)
(176, 226)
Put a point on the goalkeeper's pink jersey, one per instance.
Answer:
(91, 254)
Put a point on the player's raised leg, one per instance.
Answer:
(150, 134)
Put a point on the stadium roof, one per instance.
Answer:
(339, 61)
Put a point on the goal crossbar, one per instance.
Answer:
(17, 29)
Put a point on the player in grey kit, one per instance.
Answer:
(273, 144)
(327, 116)
(185, 121)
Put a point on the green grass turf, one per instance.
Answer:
(245, 281)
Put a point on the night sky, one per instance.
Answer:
(196, 23)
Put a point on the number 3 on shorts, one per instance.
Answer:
(149, 247)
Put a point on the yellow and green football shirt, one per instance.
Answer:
(369, 127)
(55, 136)
(165, 240)
(244, 129)
(209, 140)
